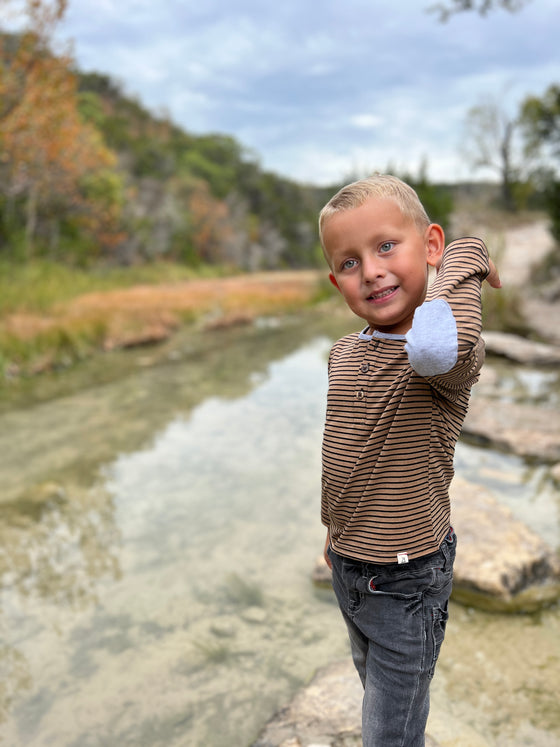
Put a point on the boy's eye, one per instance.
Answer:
(349, 264)
(386, 247)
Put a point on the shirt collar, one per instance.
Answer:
(379, 335)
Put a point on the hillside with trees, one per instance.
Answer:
(197, 199)
(89, 175)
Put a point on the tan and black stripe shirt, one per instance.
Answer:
(395, 408)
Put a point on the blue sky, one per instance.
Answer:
(321, 88)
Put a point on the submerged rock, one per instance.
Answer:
(326, 713)
(321, 575)
(501, 564)
(34, 502)
(525, 430)
(521, 350)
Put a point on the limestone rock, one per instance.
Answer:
(526, 430)
(326, 713)
(521, 350)
(254, 615)
(501, 564)
(321, 575)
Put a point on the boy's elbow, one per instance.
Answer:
(432, 343)
(427, 364)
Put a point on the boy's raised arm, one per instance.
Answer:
(446, 327)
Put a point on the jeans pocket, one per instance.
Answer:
(345, 581)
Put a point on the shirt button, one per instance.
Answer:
(360, 394)
(364, 368)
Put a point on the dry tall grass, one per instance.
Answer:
(31, 342)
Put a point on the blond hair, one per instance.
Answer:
(381, 186)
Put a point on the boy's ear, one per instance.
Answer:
(333, 281)
(435, 244)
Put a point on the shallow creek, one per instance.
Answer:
(158, 532)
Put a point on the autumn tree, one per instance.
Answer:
(209, 226)
(57, 175)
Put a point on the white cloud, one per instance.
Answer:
(365, 121)
(318, 93)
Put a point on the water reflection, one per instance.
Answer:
(120, 586)
(54, 546)
(157, 539)
(53, 550)
(529, 490)
(505, 382)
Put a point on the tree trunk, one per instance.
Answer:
(507, 175)
(31, 220)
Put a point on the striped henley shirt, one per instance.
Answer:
(395, 407)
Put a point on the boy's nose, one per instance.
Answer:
(372, 269)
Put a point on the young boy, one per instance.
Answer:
(398, 395)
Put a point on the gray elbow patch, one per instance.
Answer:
(431, 343)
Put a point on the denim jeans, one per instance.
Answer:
(396, 617)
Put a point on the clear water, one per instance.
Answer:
(158, 535)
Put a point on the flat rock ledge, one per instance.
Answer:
(528, 431)
(521, 350)
(501, 564)
(326, 713)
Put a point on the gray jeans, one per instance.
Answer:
(396, 617)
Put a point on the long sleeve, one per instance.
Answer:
(444, 341)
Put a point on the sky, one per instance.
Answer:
(317, 90)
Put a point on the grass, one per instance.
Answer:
(39, 285)
(52, 316)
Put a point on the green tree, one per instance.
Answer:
(540, 119)
(56, 170)
(540, 122)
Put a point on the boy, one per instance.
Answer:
(398, 395)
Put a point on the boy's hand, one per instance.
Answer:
(325, 554)
(493, 278)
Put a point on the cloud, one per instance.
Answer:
(365, 121)
(318, 88)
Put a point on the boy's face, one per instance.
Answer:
(379, 261)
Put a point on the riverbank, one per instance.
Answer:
(56, 334)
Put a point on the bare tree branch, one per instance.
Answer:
(451, 7)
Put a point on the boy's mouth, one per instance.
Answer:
(382, 294)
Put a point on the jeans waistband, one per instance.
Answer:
(448, 540)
